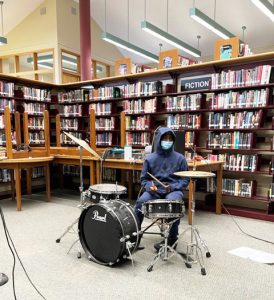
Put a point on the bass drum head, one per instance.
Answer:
(101, 229)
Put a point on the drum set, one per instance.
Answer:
(109, 230)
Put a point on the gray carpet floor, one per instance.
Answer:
(59, 275)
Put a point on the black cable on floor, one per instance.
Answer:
(239, 227)
(9, 239)
(233, 219)
(14, 260)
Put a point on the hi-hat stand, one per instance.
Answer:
(194, 246)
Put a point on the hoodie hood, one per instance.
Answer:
(160, 132)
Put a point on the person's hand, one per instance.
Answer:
(153, 187)
(198, 157)
(168, 188)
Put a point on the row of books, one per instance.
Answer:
(70, 110)
(101, 109)
(244, 77)
(34, 108)
(140, 106)
(36, 94)
(109, 175)
(104, 139)
(37, 137)
(64, 139)
(271, 192)
(67, 124)
(71, 170)
(137, 123)
(138, 138)
(36, 123)
(236, 162)
(7, 102)
(5, 175)
(251, 98)
(6, 89)
(3, 138)
(238, 187)
(237, 120)
(185, 121)
(189, 139)
(2, 122)
(129, 90)
(73, 96)
(38, 172)
(183, 102)
(143, 88)
(230, 140)
(210, 185)
(105, 123)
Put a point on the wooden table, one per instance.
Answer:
(16, 164)
(209, 166)
(88, 161)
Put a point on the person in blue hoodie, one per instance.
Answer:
(163, 163)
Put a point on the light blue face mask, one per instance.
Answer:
(166, 145)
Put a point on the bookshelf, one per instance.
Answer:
(230, 120)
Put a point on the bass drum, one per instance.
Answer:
(108, 231)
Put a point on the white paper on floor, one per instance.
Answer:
(255, 255)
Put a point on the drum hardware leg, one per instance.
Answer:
(67, 230)
(166, 251)
(146, 228)
(73, 244)
(194, 252)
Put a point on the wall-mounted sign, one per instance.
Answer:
(196, 83)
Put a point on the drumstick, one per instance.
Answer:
(153, 177)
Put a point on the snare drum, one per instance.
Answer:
(163, 208)
(105, 192)
(109, 231)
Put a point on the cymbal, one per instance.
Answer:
(194, 174)
(83, 144)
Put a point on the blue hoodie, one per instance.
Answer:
(163, 164)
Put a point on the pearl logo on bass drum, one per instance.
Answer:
(96, 217)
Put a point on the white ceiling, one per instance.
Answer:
(125, 22)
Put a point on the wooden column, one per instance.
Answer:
(85, 39)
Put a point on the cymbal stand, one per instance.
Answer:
(196, 242)
(82, 206)
(165, 252)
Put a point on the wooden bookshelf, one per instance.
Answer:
(187, 110)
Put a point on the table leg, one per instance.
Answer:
(47, 175)
(18, 188)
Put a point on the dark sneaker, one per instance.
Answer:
(170, 242)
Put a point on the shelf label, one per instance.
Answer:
(196, 83)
